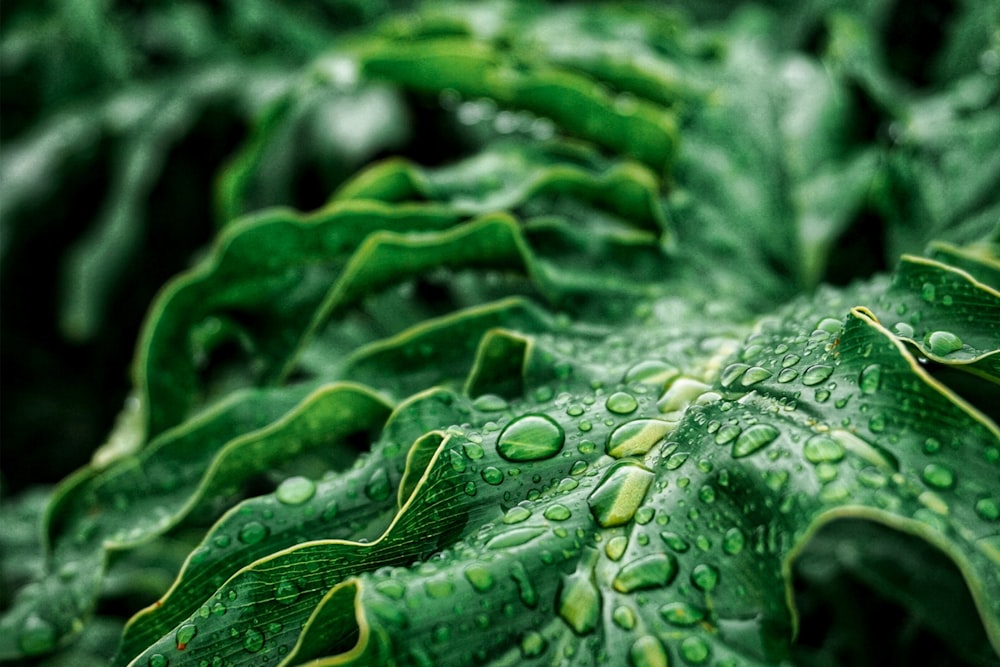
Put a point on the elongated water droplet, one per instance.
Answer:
(754, 375)
(295, 490)
(515, 537)
(516, 514)
(928, 292)
(870, 379)
(938, 475)
(579, 601)
(378, 487)
(525, 589)
(621, 492)
(754, 439)
(655, 373)
(681, 614)
(787, 375)
(489, 403)
(647, 651)
(636, 437)
(621, 403)
(790, 360)
(650, 571)
(531, 438)
(184, 635)
(675, 541)
(557, 512)
(681, 394)
(823, 449)
(479, 576)
(816, 374)
(943, 343)
(727, 434)
(732, 373)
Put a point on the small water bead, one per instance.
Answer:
(733, 541)
(252, 532)
(694, 650)
(391, 588)
(470, 488)
(790, 360)
(636, 437)
(37, 636)
(615, 547)
(675, 461)
(525, 589)
(473, 450)
(928, 292)
(732, 373)
(903, 330)
(575, 410)
(623, 617)
(816, 374)
(378, 487)
(650, 571)
(829, 324)
(754, 375)
(648, 651)
(822, 395)
(516, 514)
(515, 537)
(727, 434)
(674, 541)
(754, 439)
(823, 448)
(705, 577)
(533, 644)
(479, 576)
(706, 494)
(286, 592)
(490, 403)
(184, 635)
(681, 614)
(870, 379)
(943, 343)
(295, 490)
(158, 660)
(557, 512)
(253, 640)
(492, 475)
(621, 492)
(681, 393)
(655, 373)
(877, 423)
(938, 476)
(531, 438)
(621, 403)
(787, 375)
(988, 509)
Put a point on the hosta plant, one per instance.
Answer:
(569, 388)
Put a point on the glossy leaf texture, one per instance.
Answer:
(579, 394)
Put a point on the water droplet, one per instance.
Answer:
(621, 403)
(928, 292)
(439, 589)
(489, 403)
(754, 375)
(655, 373)
(787, 375)
(681, 614)
(733, 541)
(829, 325)
(675, 541)
(515, 537)
(616, 546)
(823, 448)
(158, 660)
(816, 374)
(732, 373)
(705, 577)
(870, 379)
(579, 602)
(877, 423)
(531, 438)
(557, 512)
(391, 588)
(647, 651)
(621, 492)
(903, 330)
(37, 636)
(295, 490)
(579, 467)
(636, 437)
(492, 475)
(754, 439)
(706, 494)
(533, 644)
(650, 571)
(680, 394)
(939, 476)
(525, 589)
(252, 532)
(470, 488)
(988, 509)
(184, 635)
(790, 360)
(727, 434)
(516, 514)
(286, 592)
(253, 640)
(623, 617)
(479, 576)
(694, 650)
(943, 343)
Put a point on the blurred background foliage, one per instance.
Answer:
(131, 130)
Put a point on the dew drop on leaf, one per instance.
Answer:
(531, 438)
(438, 588)
(636, 437)
(733, 541)
(648, 651)
(516, 515)
(533, 644)
(675, 541)
(732, 373)
(489, 403)
(870, 379)
(295, 490)
(988, 509)
(253, 640)
(389, 588)
(681, 614)
(615, 547)
(525, 589)
(754, 439)
(252, 532)
(823, 448)
(938, 476)
(515, 537)
(694, 650)
(816, 374)
(184, 635)
(903, 330)
(378, 487)
(790, 360)
(479, 576)
(621, 403)
(787, 375)
(37, 635)
(943, 343)
(158, 660)
(579, 601)
(557, 512)
(286, 592)
(727, 434)
(621, 492)
(655, 373)
(754, 375)
(623, 617)
(650, 571)
(705, 577)
(492, 475)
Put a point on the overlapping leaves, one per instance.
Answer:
(499, 410)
